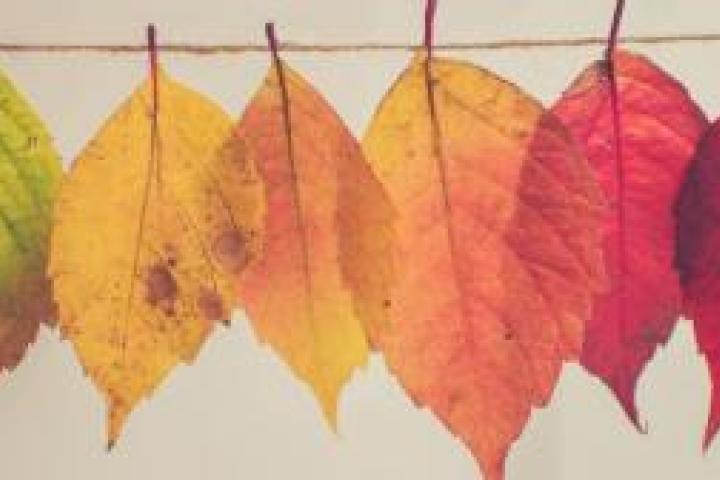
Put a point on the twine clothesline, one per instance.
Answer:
(220, 49)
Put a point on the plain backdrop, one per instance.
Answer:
(238, 412)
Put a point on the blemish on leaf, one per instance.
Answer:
(211, 305)
(230, 250)
(171, 255)
(161, 288)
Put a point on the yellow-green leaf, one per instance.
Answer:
(30, 172)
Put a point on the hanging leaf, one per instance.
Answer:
(699, 259)
(328, 223)
(497, 252)
(640, 153)
(145, 240)
(31, 171)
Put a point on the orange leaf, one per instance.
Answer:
(498, 248)
(327, 216)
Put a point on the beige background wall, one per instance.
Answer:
(238, 413)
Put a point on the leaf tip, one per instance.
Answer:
(710, 433)
(329, 408)
(627, 401)
(493, 471)
(117, 414)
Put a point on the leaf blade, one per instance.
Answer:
(311, 293)
(469, 334)
(137, 277)
(697, 260)
(660, 125)
(31, 173)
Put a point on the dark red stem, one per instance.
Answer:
(430, 9)
(273, 46)
(153, 59)
(272, 42)
(614, 30)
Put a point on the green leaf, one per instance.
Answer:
(30, 173)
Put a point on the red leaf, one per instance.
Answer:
(699, 259)
(640, 152)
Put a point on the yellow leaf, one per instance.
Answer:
(144, 240)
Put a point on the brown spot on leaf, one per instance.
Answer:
(161, 288)
(171, 254)
(230, 250)
(211, 305)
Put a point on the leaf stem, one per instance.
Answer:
(614, 29)
(273, 44)
(153, 61)
(430, 10)
(154, 137)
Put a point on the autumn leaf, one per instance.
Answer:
(640, 152)
(144, 240)
(497, 252)
(698, 258)
(31, 171)
(311, 290)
